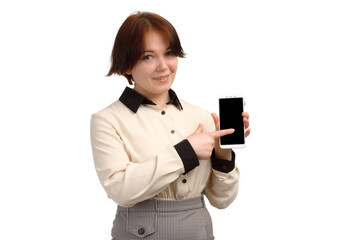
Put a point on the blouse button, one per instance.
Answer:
(184, 181)
(172, 131)
(162, 112)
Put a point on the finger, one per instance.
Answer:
(247, 133)
(199, 129)
(244, 101)
(220, 133)
(246, 123)
(216, 120)
(245, 114)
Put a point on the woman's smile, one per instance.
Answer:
(163, 78)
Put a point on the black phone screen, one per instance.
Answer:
(230, 114)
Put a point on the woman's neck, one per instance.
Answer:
(158, 99)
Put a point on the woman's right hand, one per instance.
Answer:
(204, 143)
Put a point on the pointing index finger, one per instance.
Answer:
(220, 133)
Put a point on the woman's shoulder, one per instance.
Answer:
(112, 110)
(188, 106)
(201, 115)
(195, 109)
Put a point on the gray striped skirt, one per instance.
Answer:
(164, 220)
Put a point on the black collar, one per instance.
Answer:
(133, 99)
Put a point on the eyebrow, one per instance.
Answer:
(152, 51)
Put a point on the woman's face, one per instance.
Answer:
(155, 72)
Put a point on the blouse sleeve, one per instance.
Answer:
(126, 182)
(222, 187)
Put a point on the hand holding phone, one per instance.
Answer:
(231, 108)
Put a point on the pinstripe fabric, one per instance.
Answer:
(164, 220)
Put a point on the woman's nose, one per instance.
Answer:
(162, 64)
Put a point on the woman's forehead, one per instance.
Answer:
(154, 41)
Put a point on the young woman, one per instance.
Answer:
(155, 155)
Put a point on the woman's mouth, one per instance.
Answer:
(163, 78)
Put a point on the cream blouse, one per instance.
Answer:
(141, 152)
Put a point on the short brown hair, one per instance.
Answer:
(129, 41)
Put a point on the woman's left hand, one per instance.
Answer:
(226, 153)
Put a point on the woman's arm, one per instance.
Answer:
(126, 182)
(223, 184)
(222, 187)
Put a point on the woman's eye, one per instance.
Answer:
(147, 57)
(169, 53)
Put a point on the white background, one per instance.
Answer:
(296, 62)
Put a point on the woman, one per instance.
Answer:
(155, 155)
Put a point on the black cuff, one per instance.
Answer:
(222, 165)
(187, 155)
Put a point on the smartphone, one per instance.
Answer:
(231, 108)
